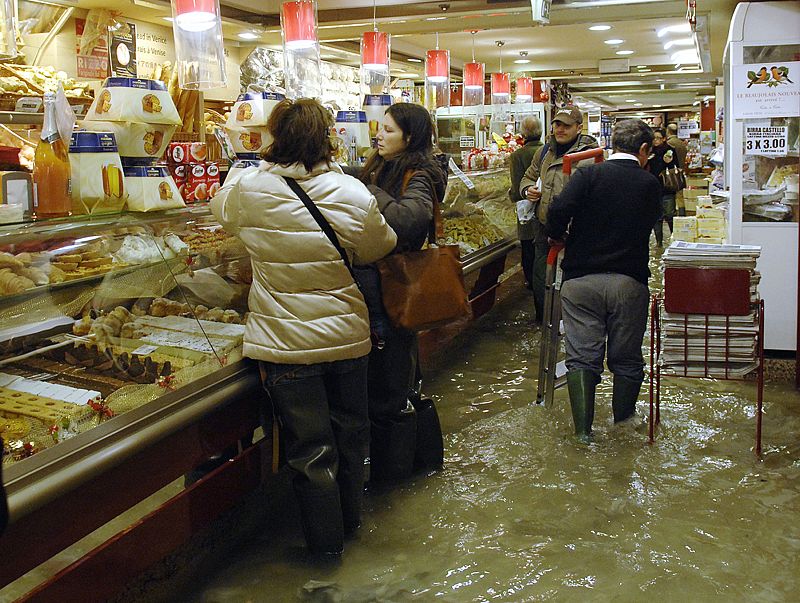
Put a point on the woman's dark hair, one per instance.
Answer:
(416, 125)
(301, 133)
(661, 131)
(630, 134)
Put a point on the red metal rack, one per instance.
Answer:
(705, 292)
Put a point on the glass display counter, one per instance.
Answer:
(478, 212)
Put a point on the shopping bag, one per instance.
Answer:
(424, 289)
(673, 179)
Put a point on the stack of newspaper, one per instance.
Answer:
(699, 345)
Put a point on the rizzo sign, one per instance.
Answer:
(761, 90)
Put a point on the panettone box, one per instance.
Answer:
(134, 100)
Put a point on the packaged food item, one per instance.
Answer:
(253, 109)
(135, 100)
(179, 175)
(249, 140)
(352, 130)
(136, 140)
(98, 184)
(151, 188)
(212, 179)
(196, 187)
(186, 152)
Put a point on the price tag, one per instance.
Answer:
(771, 141)
(143, 350)
(29, 104)
(460, 175)
(466, 142)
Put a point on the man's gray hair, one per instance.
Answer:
(673, 129)
(531, 127)
(630, 134)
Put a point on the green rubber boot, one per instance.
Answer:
(623, 401)
(582, 385)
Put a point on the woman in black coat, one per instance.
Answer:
(664, 156)
(405, 177)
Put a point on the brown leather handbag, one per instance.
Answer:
(425, 289)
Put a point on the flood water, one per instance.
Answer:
(523, 512)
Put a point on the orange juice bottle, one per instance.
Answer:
(51, 170)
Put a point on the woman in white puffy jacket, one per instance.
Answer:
(308, 323)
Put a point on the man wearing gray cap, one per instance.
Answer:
(543, 180)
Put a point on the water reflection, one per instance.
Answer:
(523, 512)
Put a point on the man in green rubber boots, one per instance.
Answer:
(609, 209)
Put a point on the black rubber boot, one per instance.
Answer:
(582, 385)
(623, 401)
(658, 229)
(392, 447)
(321, 516)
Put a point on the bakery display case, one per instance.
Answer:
(477, 211)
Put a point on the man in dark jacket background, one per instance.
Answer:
(609, 209)
(531, 129)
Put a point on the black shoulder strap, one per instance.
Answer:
(544, 150)
(321, 221)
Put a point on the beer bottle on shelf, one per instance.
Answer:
(51, 170)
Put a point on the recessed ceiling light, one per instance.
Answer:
(522, 61)
(249, 35)
(600, 27)
(170, 19)
(631, 100)
(637, 104)
(689, 55)
(644, 70)
(660, 80)
(657, 106)
(435, 18)
(641, 66)
(613, 41)
(413, 60)
(624, 52)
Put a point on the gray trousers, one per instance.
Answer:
(605, 310)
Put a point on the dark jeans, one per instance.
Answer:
(392, 372)
(392, 376)
(322, 413)
(668, 212)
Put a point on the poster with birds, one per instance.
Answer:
(766, 89)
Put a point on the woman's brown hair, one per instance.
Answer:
(416, 125)
(301, 133)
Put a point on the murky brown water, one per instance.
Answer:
(522, 512)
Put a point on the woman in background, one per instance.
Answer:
(663, 157)
(405, 177)
(308, 324)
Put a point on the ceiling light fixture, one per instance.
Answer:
(631, 100)
(624, 52)
(414, 60)
(522, 61)
(473, 93)
(249, 35)
(600, 28)
(613, 41)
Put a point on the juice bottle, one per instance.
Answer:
(51, 170)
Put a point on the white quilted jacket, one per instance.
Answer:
(304, 306)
